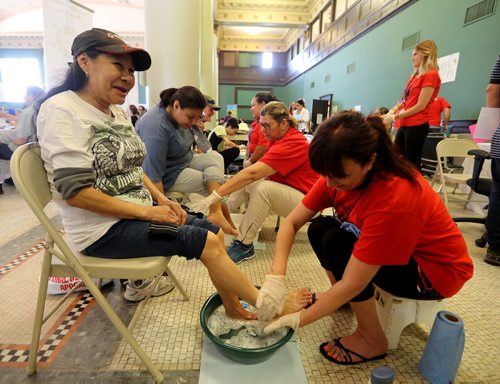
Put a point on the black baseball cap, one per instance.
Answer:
(211, 102)
(109, 42)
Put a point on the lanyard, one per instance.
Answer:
(409, 86)
(346, 216)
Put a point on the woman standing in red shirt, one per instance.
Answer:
(413, 113)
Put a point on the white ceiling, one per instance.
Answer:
(244, 25)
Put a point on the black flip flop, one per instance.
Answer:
(347, 354)
(313, 300)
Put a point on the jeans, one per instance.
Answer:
(493, 218)
(130, 238)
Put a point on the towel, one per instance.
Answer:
(443, 351)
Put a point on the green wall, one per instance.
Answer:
(382, 68)
(226, 96)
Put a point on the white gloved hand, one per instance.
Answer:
(204, 204)
(292, 320)
(246, 163)
(271, 297)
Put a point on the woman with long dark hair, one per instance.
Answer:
(389, 228)
(168, 130)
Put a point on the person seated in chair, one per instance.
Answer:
(25, 130)
(93, 159)
(390, 227)
(276, 182)
(221, 142)
(168, 130)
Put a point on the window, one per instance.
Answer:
(315, 29)
(16, 74)
(267, 60)
(327, 18)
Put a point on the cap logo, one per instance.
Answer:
(113, 35)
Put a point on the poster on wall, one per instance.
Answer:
(448, 67)
(62, 21)
(233, 108)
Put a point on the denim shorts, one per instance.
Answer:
(130, 238)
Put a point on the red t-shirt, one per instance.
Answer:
(256, 137)
(412, 91)
(398, 220)
(435, 109)
(289, 157)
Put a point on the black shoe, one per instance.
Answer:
(9, 181)
(1, 189)
(492, 256)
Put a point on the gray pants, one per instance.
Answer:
(203, 168)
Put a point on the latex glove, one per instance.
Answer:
(271, 297)
(292, 320)
(388, 118)
(246, 163)
(204, 204)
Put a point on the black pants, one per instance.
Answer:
(333, 246)
(5, 152)
(230, 155)
(410, 141)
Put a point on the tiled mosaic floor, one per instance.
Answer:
(169, 328)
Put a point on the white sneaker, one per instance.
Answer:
(138, 290)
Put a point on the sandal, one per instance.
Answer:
(313, 300)
(347, 354)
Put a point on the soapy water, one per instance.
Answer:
(240, 333)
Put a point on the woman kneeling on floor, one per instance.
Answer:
(93, 159)
(390, 228)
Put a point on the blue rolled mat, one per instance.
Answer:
(443, 351)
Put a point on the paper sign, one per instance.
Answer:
(448, 67)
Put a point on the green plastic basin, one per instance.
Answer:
(238, 354)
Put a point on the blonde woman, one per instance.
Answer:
(413, 111)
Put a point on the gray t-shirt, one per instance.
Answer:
(82, 146)
(25, 128)
(169, 147)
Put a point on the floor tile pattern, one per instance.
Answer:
(169, 327)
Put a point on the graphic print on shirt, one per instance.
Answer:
(118, 156)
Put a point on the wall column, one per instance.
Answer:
(172, 38)
(207, 81)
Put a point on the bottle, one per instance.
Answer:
(201, 140)
(381, 375)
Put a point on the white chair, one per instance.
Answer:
(396, 313)
(31, 181)
(458, 150)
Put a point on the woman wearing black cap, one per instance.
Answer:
(93, 158)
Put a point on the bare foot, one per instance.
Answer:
(218, 219)
(297, 300)
(227, 215)
(367, 348)
(238, 312)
